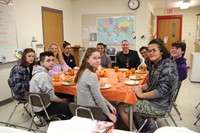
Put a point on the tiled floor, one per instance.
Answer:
(188, 98)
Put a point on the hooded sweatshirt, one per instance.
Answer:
(41, 82)
(181, 67)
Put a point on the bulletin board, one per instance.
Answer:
(8, 37)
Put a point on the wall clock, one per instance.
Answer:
(133, 4)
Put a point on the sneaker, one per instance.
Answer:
(38, 121)
(151, 123)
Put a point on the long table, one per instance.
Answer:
(117, 92)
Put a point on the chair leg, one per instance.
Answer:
(142, 125)
(173, 120)
(166, 121)
(197, 105)
(198, 115)
(197, 121)
(13, 112)
(177, 111)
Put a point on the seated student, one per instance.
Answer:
(127, 58)
(20, 74)
(88, 88)
(153, 97)
(105, 59)
(177, 54)
(68, 57)
(147, 63)
(41, 82)
(59, 65)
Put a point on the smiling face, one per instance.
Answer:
(94, 60)
(176, 52)
(125, 46)
(54, 49)
(101, 49)
(144, 53)
(154, 53)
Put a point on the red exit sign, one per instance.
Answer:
(169, 11)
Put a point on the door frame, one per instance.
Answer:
(170, 17)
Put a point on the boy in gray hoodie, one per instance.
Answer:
(41, 82)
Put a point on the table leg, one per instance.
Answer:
(131, 117)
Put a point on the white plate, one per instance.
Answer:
(106, 86)
(139, 71)
(76, 68)
(122, 69)
(134, 77)
(66, 83)
(131, 82)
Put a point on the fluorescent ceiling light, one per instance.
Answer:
(185, 4)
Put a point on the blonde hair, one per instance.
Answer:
(59, 56)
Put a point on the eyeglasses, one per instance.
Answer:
(152, 51)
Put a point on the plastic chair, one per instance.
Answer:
(40, 100)
(19, 102)
(92, 112)
(167, 114)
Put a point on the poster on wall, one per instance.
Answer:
(112, 30)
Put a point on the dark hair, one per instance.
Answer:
(65, 43)
(23, 61)
(124, 41)
(162, 48)
(44, 54)
(143, 47)
(181, 45)
(85, 64)
(101, 44)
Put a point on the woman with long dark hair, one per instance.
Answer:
(21, 73)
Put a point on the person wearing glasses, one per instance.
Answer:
(127, 58)
(105, 59)
(147, 63)
(68, 57)
(153, 97)
(177, 54)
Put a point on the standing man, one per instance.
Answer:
(68, 57)
(105, 59)
(127, 58)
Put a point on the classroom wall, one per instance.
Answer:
(189, 27)
(29, 23)
(82, 8)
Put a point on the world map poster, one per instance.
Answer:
(111, 31)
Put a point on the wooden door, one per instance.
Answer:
(170, 27)
(52, 26)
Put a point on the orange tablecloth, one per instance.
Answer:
(118, 91)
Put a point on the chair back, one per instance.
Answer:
(86, 111)
(37, 99)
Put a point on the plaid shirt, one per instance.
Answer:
(19, 81)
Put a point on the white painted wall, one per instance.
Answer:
(86, 7)
(29, 23)
(189, 26)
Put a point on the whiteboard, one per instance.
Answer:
(8, 37)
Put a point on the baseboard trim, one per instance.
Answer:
(6, 101)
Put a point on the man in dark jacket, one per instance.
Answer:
(127, 58)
